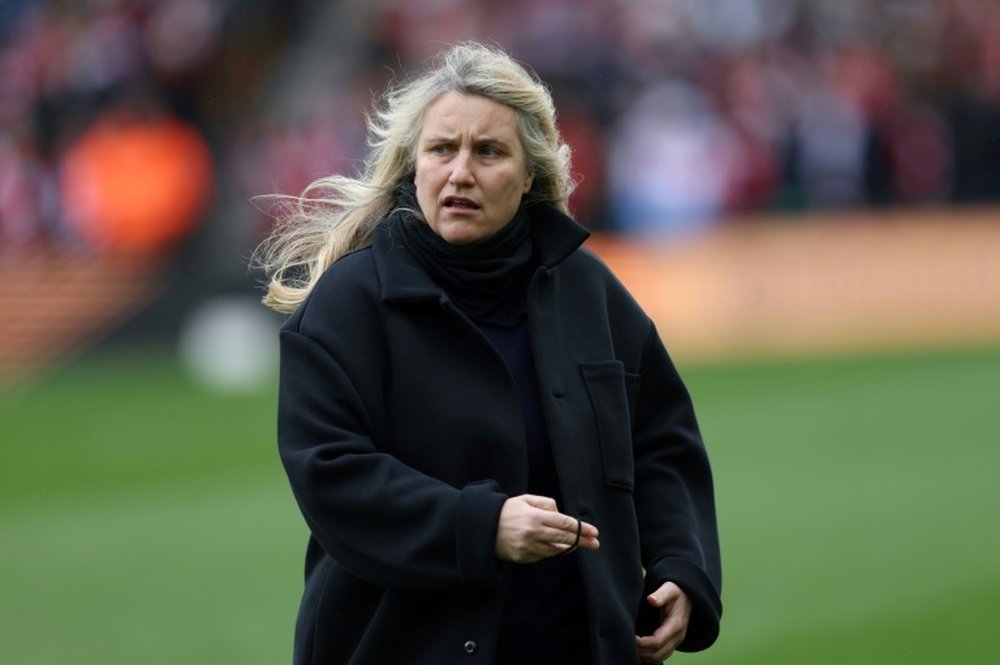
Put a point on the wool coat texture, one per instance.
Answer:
(401, 431)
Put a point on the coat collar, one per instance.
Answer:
(555, 235)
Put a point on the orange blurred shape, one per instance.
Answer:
(136, 185)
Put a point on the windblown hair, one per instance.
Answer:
(337, 214)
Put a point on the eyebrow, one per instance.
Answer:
(493, 139)
(437, 138)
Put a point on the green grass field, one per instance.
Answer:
(145, 521)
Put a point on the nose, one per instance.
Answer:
(461, 171)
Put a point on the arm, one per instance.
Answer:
(381, 519)
(674, 501)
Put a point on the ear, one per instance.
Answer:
(528, 179)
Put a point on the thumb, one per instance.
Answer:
(663, 595)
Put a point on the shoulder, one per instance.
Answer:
(588, 273)
(345, 291)
(589, 264)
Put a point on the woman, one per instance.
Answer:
(496, 458)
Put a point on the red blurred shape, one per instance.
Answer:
(136, 185)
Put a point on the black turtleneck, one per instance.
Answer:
(487, 278)
(544, 619)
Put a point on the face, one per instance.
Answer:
(470, 167)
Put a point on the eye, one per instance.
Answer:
(440, 149)
(488, 151)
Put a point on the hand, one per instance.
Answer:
(531, 528)
(675, 613)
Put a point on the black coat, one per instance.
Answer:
(400, 429)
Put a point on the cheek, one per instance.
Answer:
(426, 193)
(427, 177)
(517, 185)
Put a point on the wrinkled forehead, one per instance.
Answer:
(458, 115)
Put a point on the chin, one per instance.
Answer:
(461, 239)
(460, 234)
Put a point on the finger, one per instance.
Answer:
(570, 524)
(547, 550)
(569, 539)
(542, 502)
(586, 537)
(576, 539)
(663, 652)
(649, 655)
(657, 655)
(667, 593)
(668, 628)
(555, 542)
(542, 527)
(531, 538)
(563, 523)
(655, 658)
(590, 540)
(585, 544)
(536, 550)
(559, 537)
(654, 642)
(555, 518)
(665, 633)
(648, 658)
(664, 640)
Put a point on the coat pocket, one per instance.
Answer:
(608, 387)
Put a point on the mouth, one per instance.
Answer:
(460, 203)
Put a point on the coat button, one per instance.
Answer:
(471, 647)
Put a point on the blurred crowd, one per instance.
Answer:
(685, 111)
(116, 114)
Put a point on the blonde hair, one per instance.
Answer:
(337, 214)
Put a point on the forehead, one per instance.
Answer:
(454, 113)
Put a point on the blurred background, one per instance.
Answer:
(803, 194)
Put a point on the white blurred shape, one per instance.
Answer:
(230, 344)
(672, 162)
